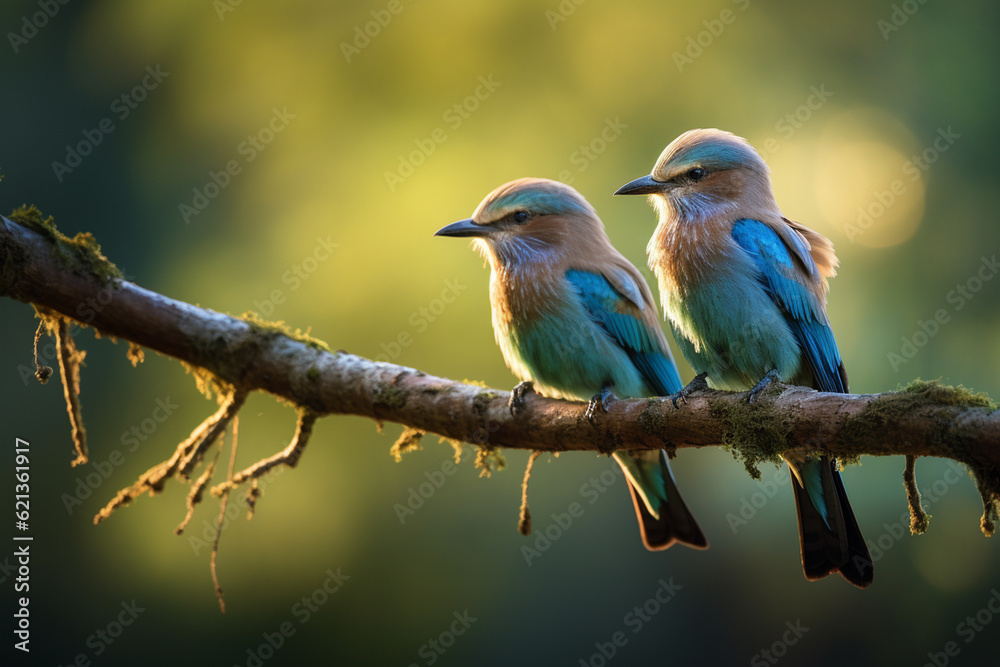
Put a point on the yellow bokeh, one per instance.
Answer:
(866, 184)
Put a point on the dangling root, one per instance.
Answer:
(289, 456)
(919, 519)
(43, 373)
(188, 454)
(222, 516)
(196, 450)
(198, 491)
(524, 517)
(69, 367)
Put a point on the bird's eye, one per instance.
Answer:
(696, 174)
(520, 216)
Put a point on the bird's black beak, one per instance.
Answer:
(646, 185)
(463, 228)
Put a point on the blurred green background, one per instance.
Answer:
(345, 152)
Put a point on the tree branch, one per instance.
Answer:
(244, 354)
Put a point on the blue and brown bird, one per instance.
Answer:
(574, 319)
(745, 291)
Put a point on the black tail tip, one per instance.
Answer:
(858, 571)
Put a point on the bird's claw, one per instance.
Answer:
(697, 384)
(600, 403)
(517, 395)
(765, 382)
(592, 408)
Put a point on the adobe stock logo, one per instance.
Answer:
(363, 35)
(421, 493)
(697, 44)
(455, 116)
(635, 620)
(30, 25)
(432, 650)
(122, 107)
(958, 297)
(900, 14)
(565, 9)
(587, 153)
(248, 150)
(967, 629)
(913, 169)
(779, 649)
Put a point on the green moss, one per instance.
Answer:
(312, 373)
(260, 325)
(207, 382)
(943, 394)
(389, 397)
(81, 254)
(456, 446)
(437, 391)
(653, 422)
(135, 354)
(754, 433)
(31, 217)
(480, 407)
(866, 429)
(482, 400)
(408, 441)
(489, 460)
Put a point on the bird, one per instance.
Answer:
(744, 289)
(574, 319)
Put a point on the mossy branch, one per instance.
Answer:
(238, 355)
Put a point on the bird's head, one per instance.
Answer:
(529, 220)
(702, 173)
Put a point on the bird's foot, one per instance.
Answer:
(697, 384)
(765, 382)
(517, 395)
(600, 403)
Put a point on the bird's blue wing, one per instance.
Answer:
(780, 274)
(615, 314)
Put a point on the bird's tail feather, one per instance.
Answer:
(859, 568)
(664, 517)
(830, 539)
